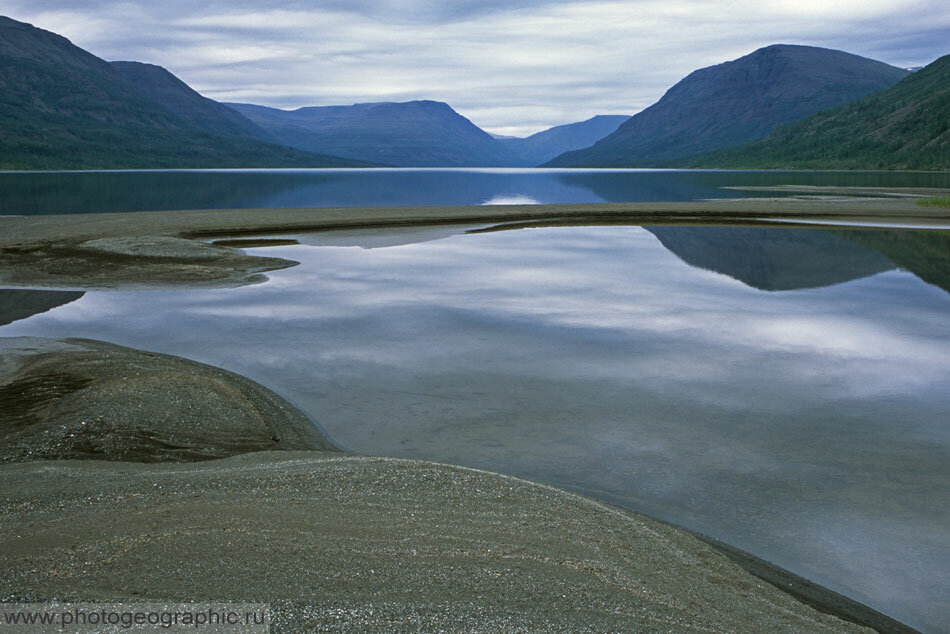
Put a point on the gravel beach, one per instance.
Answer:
(351, 543)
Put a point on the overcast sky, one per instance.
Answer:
(511, 67)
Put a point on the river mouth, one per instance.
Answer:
(780, 389)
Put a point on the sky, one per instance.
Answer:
(511, 67)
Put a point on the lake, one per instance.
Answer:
(784, 390)
(25, 193)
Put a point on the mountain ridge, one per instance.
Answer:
(906, 126)
(735, 102)
(160, 85)
(543, 146)
(420, 133)
(64, 108)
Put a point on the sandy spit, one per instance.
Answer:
(160, 249)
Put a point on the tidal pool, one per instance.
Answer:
(783, 390)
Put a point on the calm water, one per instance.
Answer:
(784, 390)
(73, 192)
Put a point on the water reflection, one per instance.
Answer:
(511, 199)
(381, 237)
(807, 426)
(773, 259)
(925, 253)
(71, 192)
(16, 304)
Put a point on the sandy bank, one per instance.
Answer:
(371, 544)
(78, 398)
(153, 248)
(130, 261)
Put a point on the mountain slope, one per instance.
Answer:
(904, 127)
(547, 144)
(414, 133)
(160, 86)
(737, 102)
(62, 107)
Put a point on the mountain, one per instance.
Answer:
(160, 86)
(906, 126)
(62, 107)
(547, 144)
(737, 102)
(414, 133)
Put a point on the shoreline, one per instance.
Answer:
(155, 249)
(159, 263)
(219, 223)
(77, 428)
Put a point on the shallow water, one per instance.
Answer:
(88, 192)
(784, 390)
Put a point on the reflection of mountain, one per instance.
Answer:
(83, 192)
(773, 259)
(19, 303)
(58, 192)
(926, 254)
(650, 186)
(95, 192)
(674, 185)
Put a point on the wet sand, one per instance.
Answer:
(84, 399)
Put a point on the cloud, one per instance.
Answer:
(512, 68)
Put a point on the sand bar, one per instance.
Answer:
(148, 249)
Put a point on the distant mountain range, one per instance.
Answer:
(418, 133)
(736, 102)
(415, 133)
(904, 127)
(547, 144)
(62, 107)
